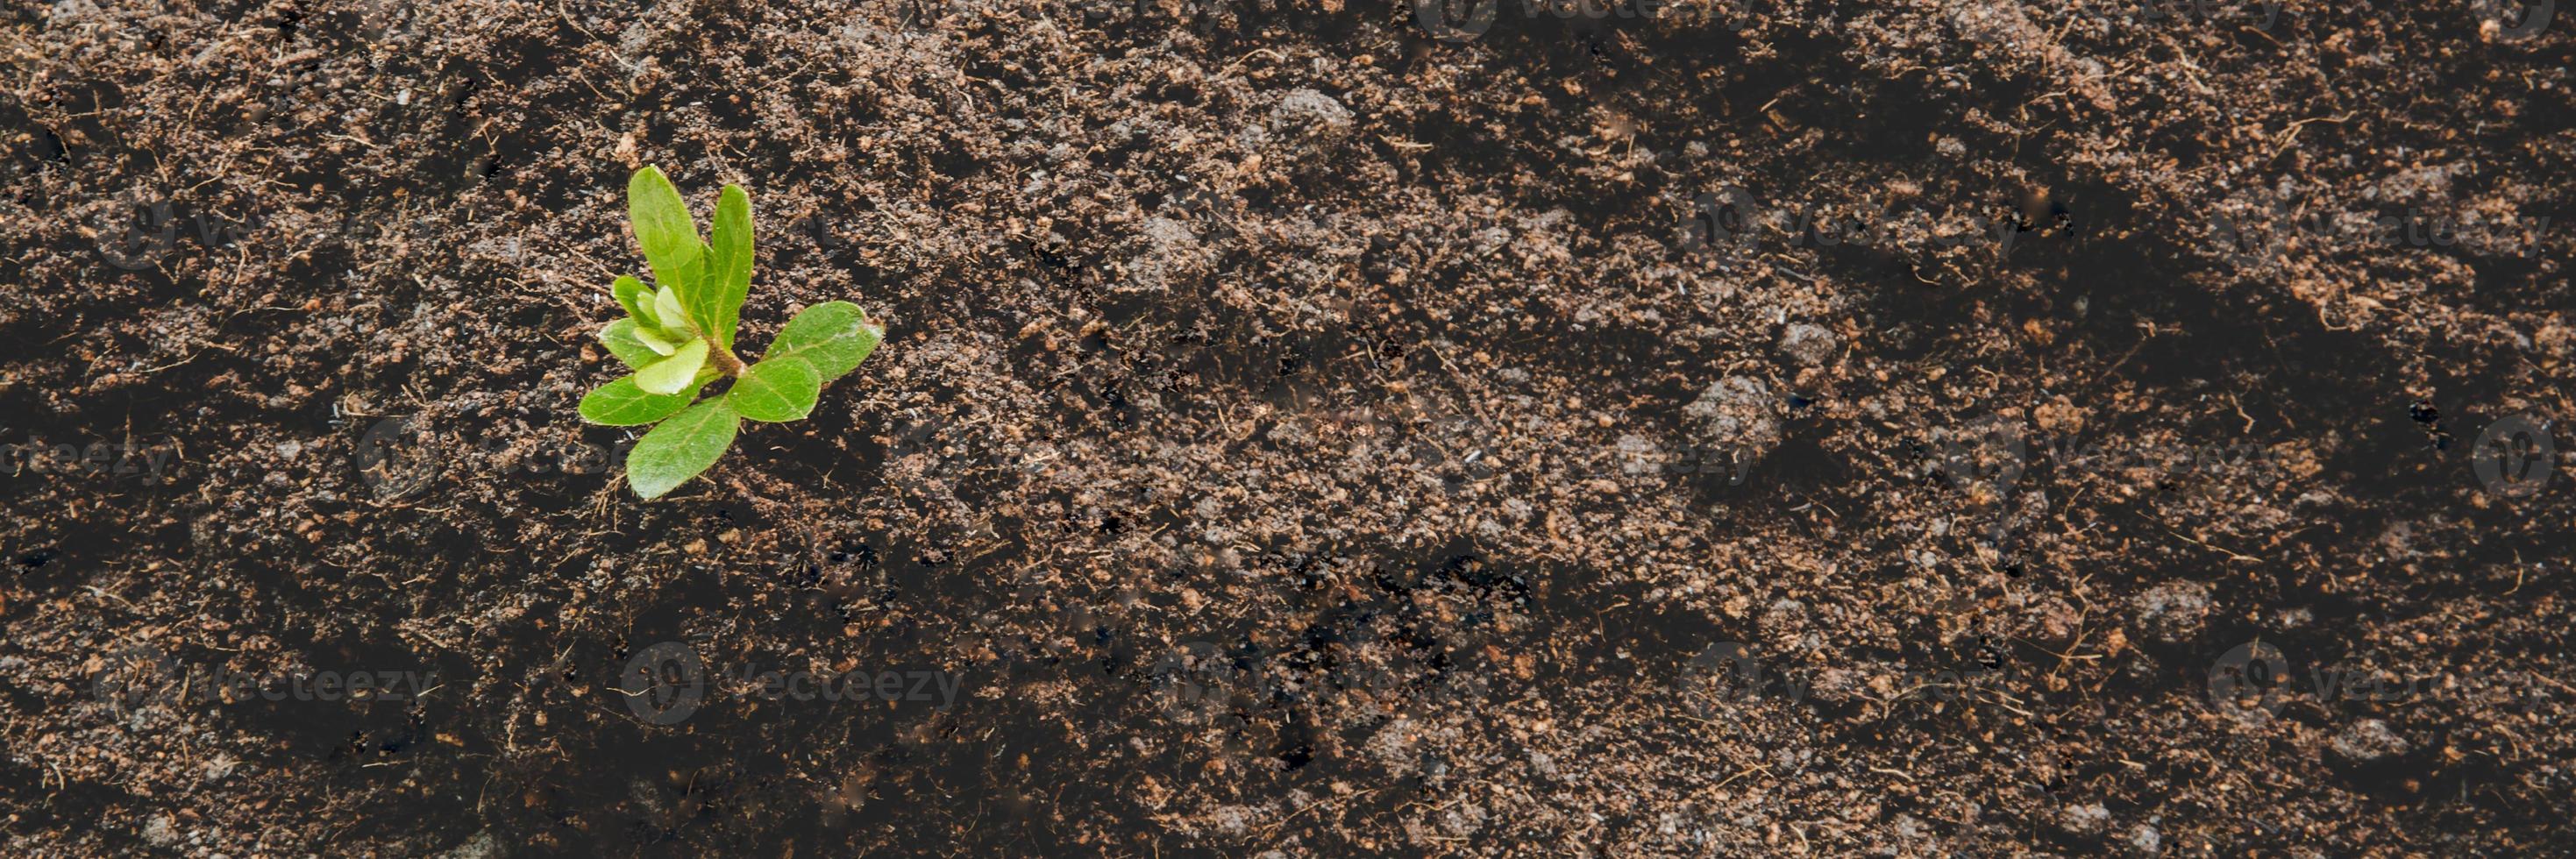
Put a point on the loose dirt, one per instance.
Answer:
(1325, 427)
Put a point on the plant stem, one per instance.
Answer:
(726, 361)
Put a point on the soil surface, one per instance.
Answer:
(1329, 427)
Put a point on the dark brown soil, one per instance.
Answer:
(1304, 425)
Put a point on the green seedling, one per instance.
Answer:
(678, 337)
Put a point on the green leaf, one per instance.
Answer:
(631, 345)
(663, 227)
(637, 299)
(776, 390)
(671, 375)
(728, 281)
(660, 343)
(681, 447)
(833, 336)
(666, 306)
(622, 404)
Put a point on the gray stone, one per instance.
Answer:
(1738, 414)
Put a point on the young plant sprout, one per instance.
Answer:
(678, 336)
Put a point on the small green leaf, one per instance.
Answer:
(681, 447)
(729, 258)
(666, 306)
(671, 375)
(660, 343)
(622, 404)
(631, 345)
(637, 299)
(834, 336)
(777, 390)
(662, 226)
